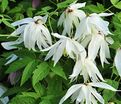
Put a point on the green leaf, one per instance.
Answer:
(31, 94)
(23, 100)
(97, 9)
(7, 23)
(59, 71)
(28, 71)
(54, 86)
(116, 3)
(40, 73)
(17, 65)
(14, 90)
(40, 89)
(4, 4)
(64, 4)
(45, 102)
(106, 93)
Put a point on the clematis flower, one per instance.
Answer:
(34, 32)
(65, 45)
(71, 17)
(92, 23)
(86, 94)
(117, 61)
(87, 69)
(99, 43)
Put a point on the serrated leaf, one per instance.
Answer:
(39, 89)
(28, 71)
(116, 3)
(59, 71)
(40, 73)
(17, 65)
(23, 100)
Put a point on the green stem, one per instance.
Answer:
(50, 24)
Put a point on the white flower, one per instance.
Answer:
(99, 43)
(71, 17)
(92, 23)
(85, 93)
(34, 32)
(64, 45)
(117, 61)
(87, 69)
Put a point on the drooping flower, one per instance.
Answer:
(34, 32)
(92, 23)
(87, 69)
(99, 43)
(117, 61)
(65, 45)
(86, 94)
(71, 17)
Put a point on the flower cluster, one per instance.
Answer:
(80, 31)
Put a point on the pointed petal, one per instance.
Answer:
(78, 5)
(105, 14)
(102, 85)
(23, 21)
(117, 61)
(96, 95)
(70, 91)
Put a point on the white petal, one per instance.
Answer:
(93, 47)
(58, 35)
(19, 30)
(11, 45)
(23, 21)
(78, 5)
(70, 91)
(61, 19)
(117, 61)
(96, 95)
(76, 70)
(11, 58)
(102, 85)
(105, 14)
(59, 52)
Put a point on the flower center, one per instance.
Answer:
(69, 10)
(38, 21)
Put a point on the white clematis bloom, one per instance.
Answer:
(33, 32)
(71, 17)
(117, 61)
(87, 69)
(99, 43)
(92, 23)
(65, 45)
(85, 93)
